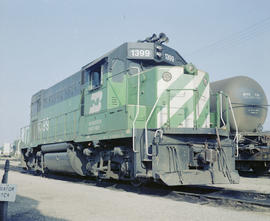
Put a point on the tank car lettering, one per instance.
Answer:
(96, 99)
(246, 94)
(254, 111)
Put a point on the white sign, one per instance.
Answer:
(7, 192)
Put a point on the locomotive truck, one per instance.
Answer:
(250, 106)
(138, 113)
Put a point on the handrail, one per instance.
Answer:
(150, 115)
(24, 134)
(236, 128)
(220, 109)
(236, 138)
(40, 135)
(137, 110)
(146, 123)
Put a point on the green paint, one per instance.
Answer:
(109, 111)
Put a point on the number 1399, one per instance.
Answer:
(140, 53)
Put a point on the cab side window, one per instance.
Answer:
(94, 75)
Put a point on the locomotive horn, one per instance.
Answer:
(163, 38)
(150, 39)
(153, 38)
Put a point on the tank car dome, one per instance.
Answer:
(248, 100)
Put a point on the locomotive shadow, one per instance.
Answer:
(160, 190)
(149, 188)
(25, 209)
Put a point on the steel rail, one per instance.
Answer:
(228, 199)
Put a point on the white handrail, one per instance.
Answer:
(146, 123)
(220, 101)
(236, 128)
(137, 110)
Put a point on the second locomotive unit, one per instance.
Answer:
(138, 113)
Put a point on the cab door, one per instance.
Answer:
(93, 99)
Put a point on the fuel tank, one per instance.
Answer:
(248, 100)
(64, 158)
(58, 162)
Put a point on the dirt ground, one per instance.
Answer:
(41, 198)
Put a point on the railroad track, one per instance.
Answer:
(214, 196)
(231, 198)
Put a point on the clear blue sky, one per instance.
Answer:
(44, 41)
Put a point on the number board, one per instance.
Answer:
(7, 192)
(140, 51)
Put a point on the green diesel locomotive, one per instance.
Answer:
(138, 113)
